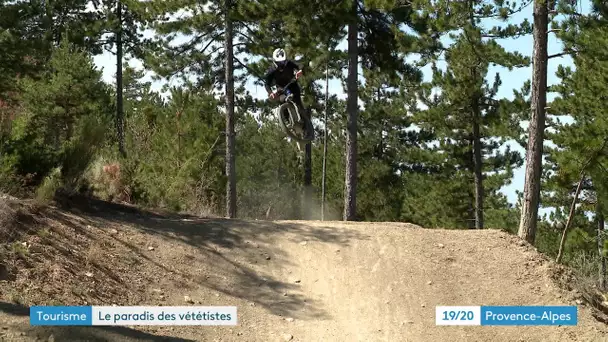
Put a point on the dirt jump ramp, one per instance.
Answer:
(292, 280)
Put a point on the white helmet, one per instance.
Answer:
(279, 55)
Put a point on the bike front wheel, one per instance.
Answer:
(286, 114)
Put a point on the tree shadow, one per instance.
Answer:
(14, 309)
(197, 231)
(277, 296)
(79, 333)
(72, 246)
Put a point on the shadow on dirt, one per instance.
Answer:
(219, 243)
(14, 309)
(197, 231)
(74, 333)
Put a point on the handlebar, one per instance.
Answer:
(282, 89)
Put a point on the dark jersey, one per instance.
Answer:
(281, 76)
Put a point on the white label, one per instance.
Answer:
(457, 315)
(164, 315)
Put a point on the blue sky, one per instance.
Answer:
(511, 79)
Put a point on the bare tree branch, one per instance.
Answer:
(562, 54)
(246, 67)
(570, 217)
(182, 48)
(510, 13)
(246, 37)
(210, 151)
(252, 32)
(213, 40)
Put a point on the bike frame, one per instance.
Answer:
(295, 115)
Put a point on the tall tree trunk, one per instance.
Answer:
(350, 188)
(230, 163)
(307, 193)
(534, 152)
(120, 116)
(471, 211)
(477, 165)
(48, 26)
(179, 140)
(600, 246)
(562, 243)
(323, 173)
(477, 161)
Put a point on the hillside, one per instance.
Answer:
(291, 280)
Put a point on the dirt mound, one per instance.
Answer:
(291, 280)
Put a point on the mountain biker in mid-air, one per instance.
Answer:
(281, 74)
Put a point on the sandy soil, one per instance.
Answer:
(291, 280)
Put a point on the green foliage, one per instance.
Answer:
(132, 20)
(50, 186)
(466, 100)
(174, 154)
(580, 145)
(63, 119)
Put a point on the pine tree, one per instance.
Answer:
(581, 145)
(382, 144)
(123, 20)
(544, 13)
(470, 124)
(64, 119)
(205, 49)
(536, 128)
(352, 109)
(174, 146)
(229, 69)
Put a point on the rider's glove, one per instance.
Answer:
(298, 74)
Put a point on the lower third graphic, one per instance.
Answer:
(506, 315)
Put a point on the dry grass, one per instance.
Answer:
(94, 256)
(17, 222)
(8, 219)
(48, 256)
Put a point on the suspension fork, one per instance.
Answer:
(297, 109)
(298, 113)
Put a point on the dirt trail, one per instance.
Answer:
(304, 281)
